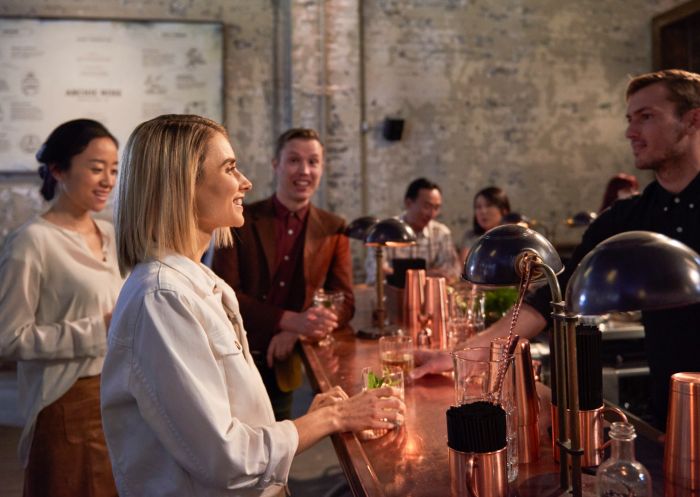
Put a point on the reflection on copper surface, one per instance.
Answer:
(671, 490)
(411, 461)
(435, 309)
(329, 357)
(414, 298)
(413, 450)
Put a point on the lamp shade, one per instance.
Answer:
(637, 270)
(517, 218)
(581, 219)
(359, 227)
(390, 232)
(493, 260)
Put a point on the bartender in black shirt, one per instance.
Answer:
(663, 114)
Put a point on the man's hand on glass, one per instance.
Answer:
(314, 323)
(430, 362)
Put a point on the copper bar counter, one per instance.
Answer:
(411, 461)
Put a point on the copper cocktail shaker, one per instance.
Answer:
(527, 403)
(414, 300)
(682, 451)
(436, 309)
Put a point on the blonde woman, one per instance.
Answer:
(59, 281)
(185, 410)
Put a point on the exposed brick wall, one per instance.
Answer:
(523, 94)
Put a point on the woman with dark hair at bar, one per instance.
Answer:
(491, 204)
(59, 281)
(185, 410)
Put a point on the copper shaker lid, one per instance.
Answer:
(686, 383)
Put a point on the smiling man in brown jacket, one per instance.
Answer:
(287, 249)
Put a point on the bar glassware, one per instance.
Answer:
(331, 300)
(388, 377)
(396, 351)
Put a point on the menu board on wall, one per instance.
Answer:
(117, 72)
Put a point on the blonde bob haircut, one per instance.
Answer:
(155, 205)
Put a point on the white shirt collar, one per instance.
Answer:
(200, 275)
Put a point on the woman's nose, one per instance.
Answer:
(245, 184)
(108, 178)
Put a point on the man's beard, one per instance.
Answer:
(670, 154)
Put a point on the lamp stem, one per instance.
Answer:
(569, 443)
(560, 373)
(379, 279)
(574, 429)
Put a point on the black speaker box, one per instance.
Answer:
(392, 129)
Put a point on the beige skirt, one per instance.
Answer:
(68, 456)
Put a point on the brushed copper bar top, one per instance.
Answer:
(410, 461)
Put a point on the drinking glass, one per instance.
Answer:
(459, 329)
(396, 351)
(477, 379)
(388, 377)
(467, 303)
(331, 300)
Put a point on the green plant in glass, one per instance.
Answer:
(388, 379)
(497, 302)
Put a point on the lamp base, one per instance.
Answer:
(374, 332)
(547, 485)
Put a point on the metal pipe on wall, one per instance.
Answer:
(362, 97)
(322, 94)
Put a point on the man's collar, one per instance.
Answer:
(420, 234)
(691, 191)
(282, 212)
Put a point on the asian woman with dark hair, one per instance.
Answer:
(490, 206)
(59, 281)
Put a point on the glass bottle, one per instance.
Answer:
(622, 475)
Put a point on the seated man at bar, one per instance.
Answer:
(663, 115)
(287, 249)
(423, 201)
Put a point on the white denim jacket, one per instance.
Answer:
(184, 409)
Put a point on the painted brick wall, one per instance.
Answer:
(249, 71)
(524, 94)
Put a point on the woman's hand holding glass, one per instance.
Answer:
(329, 398)
(380, 408)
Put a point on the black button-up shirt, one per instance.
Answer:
(672, 336)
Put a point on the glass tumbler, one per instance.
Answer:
(396, 351)
(388, 377)
(331, 300)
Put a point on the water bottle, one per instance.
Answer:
(622, 475)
